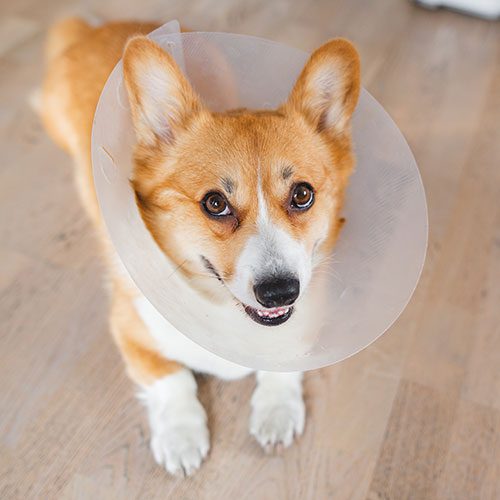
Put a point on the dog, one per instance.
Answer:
(248, 196)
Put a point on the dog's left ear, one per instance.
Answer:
(161, 98)
(327, 90)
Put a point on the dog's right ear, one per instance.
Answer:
(161, 99)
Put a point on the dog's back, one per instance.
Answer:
(79, 59)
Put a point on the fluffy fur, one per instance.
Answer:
(184, 151)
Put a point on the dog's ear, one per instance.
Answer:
(161, 98)
(327, 90)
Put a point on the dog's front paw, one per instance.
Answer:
(278, 414)
(178, 423)
(181, 441)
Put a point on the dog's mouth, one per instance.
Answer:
(270, 317)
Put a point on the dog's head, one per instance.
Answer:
(250, 197)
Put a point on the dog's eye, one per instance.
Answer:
(302, 196)
(216, 204)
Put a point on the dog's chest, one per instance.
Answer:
(174, 345)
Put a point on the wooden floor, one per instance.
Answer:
(416, 415)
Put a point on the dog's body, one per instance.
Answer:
(215, 171)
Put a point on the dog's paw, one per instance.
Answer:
(277, 423)
(181, 441)
(178, 423)
(278, 415)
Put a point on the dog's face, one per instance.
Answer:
(252, 198)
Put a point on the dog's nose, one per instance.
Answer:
(277, 292)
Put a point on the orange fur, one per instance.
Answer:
(144, 364)
(80, 59)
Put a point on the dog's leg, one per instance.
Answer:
(278, 410)
(179, 433)
(178, 422)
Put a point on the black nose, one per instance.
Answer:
(276, 292)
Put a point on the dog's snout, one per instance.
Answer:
(277, 292)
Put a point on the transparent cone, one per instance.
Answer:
(355, 295)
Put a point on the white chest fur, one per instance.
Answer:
(174, 345)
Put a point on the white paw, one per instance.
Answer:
(278, 415)
(178, 423)
(181, 441)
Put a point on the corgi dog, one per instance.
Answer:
(248, 196)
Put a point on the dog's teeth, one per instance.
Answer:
(272, 313)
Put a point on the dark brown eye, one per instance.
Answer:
(216, 204)
(302, 196)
